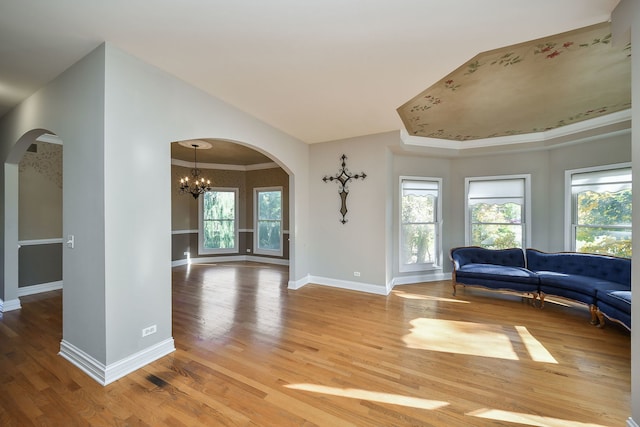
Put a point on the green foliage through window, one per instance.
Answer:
(269, 220)
(496, 209)
(419, 216)
(496, 226)
(604, 223)
(219, 219)
(601, 210)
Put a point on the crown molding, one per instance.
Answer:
(220, 166)
(550, 137)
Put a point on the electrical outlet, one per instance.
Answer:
(356, 273)
(149, 330)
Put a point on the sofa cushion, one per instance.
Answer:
(618, 299)
(607, 268)
(574, 286)
(497, 272)
(513, 257)
(616, 305)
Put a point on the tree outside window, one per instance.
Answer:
(496, 208)
(419, 224)
(601, 211)
(218, 231)
(268, 221)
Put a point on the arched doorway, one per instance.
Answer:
(239, 169)
(33, 217)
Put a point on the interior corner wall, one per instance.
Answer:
(432, 167)
(625, 21)
(358, 246)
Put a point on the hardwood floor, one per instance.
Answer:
(251, 352)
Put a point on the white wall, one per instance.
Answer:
(626, 27)
(117, 116)
(145, 111)
(339, 250)
(72, 107)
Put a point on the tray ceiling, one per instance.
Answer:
(530, 87)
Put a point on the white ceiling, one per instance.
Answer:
(319, 70)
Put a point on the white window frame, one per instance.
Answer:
(570, 215)
(211, 251)
(526, 220)
(256, 249)
(437, 264)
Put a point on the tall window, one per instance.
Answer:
(497, 211)
(420, 223)
(218, 231)
(268, 221)
(600, 210)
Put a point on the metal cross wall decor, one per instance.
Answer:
(343, 177)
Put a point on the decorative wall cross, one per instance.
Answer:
(343, 177)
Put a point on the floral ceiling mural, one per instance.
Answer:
(526, 88)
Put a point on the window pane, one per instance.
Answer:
(496, 236)
(508, 213)
(270, 205)
(269, 235)
(602, 240)
(219, 205)
(418, 208)
(604, 208)
(218, 212)
(219, 234)
(418, 244)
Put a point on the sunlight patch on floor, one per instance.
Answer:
(373, 396)
(450, 336)
(528, 419)
(536, 350)
(408, 295)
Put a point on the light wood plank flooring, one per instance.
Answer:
(251, 352)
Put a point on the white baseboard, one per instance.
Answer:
(631, 423)
(37, 289)
(419, 278)
(12, 304)
(231, 258)
(297, 284)
(350, 285)
(105, 375)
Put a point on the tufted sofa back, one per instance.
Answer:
(476, 255)
(598, 266)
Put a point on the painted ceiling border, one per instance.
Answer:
(546, 136)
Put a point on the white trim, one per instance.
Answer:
(569, 233)
(105, 375)
(40, 288)
(420, 278)
(236, 222)
(232, 258)
(526, 220)
(184, 232)
(50, 138)
(297, 284)
(256, 249)
(241, 230)
(12, 304)
(220, 166)
(437, 265)
(350, 285)
(631, 423)
(40, 242)
(546, 136)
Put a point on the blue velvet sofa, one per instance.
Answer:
(599, 281)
